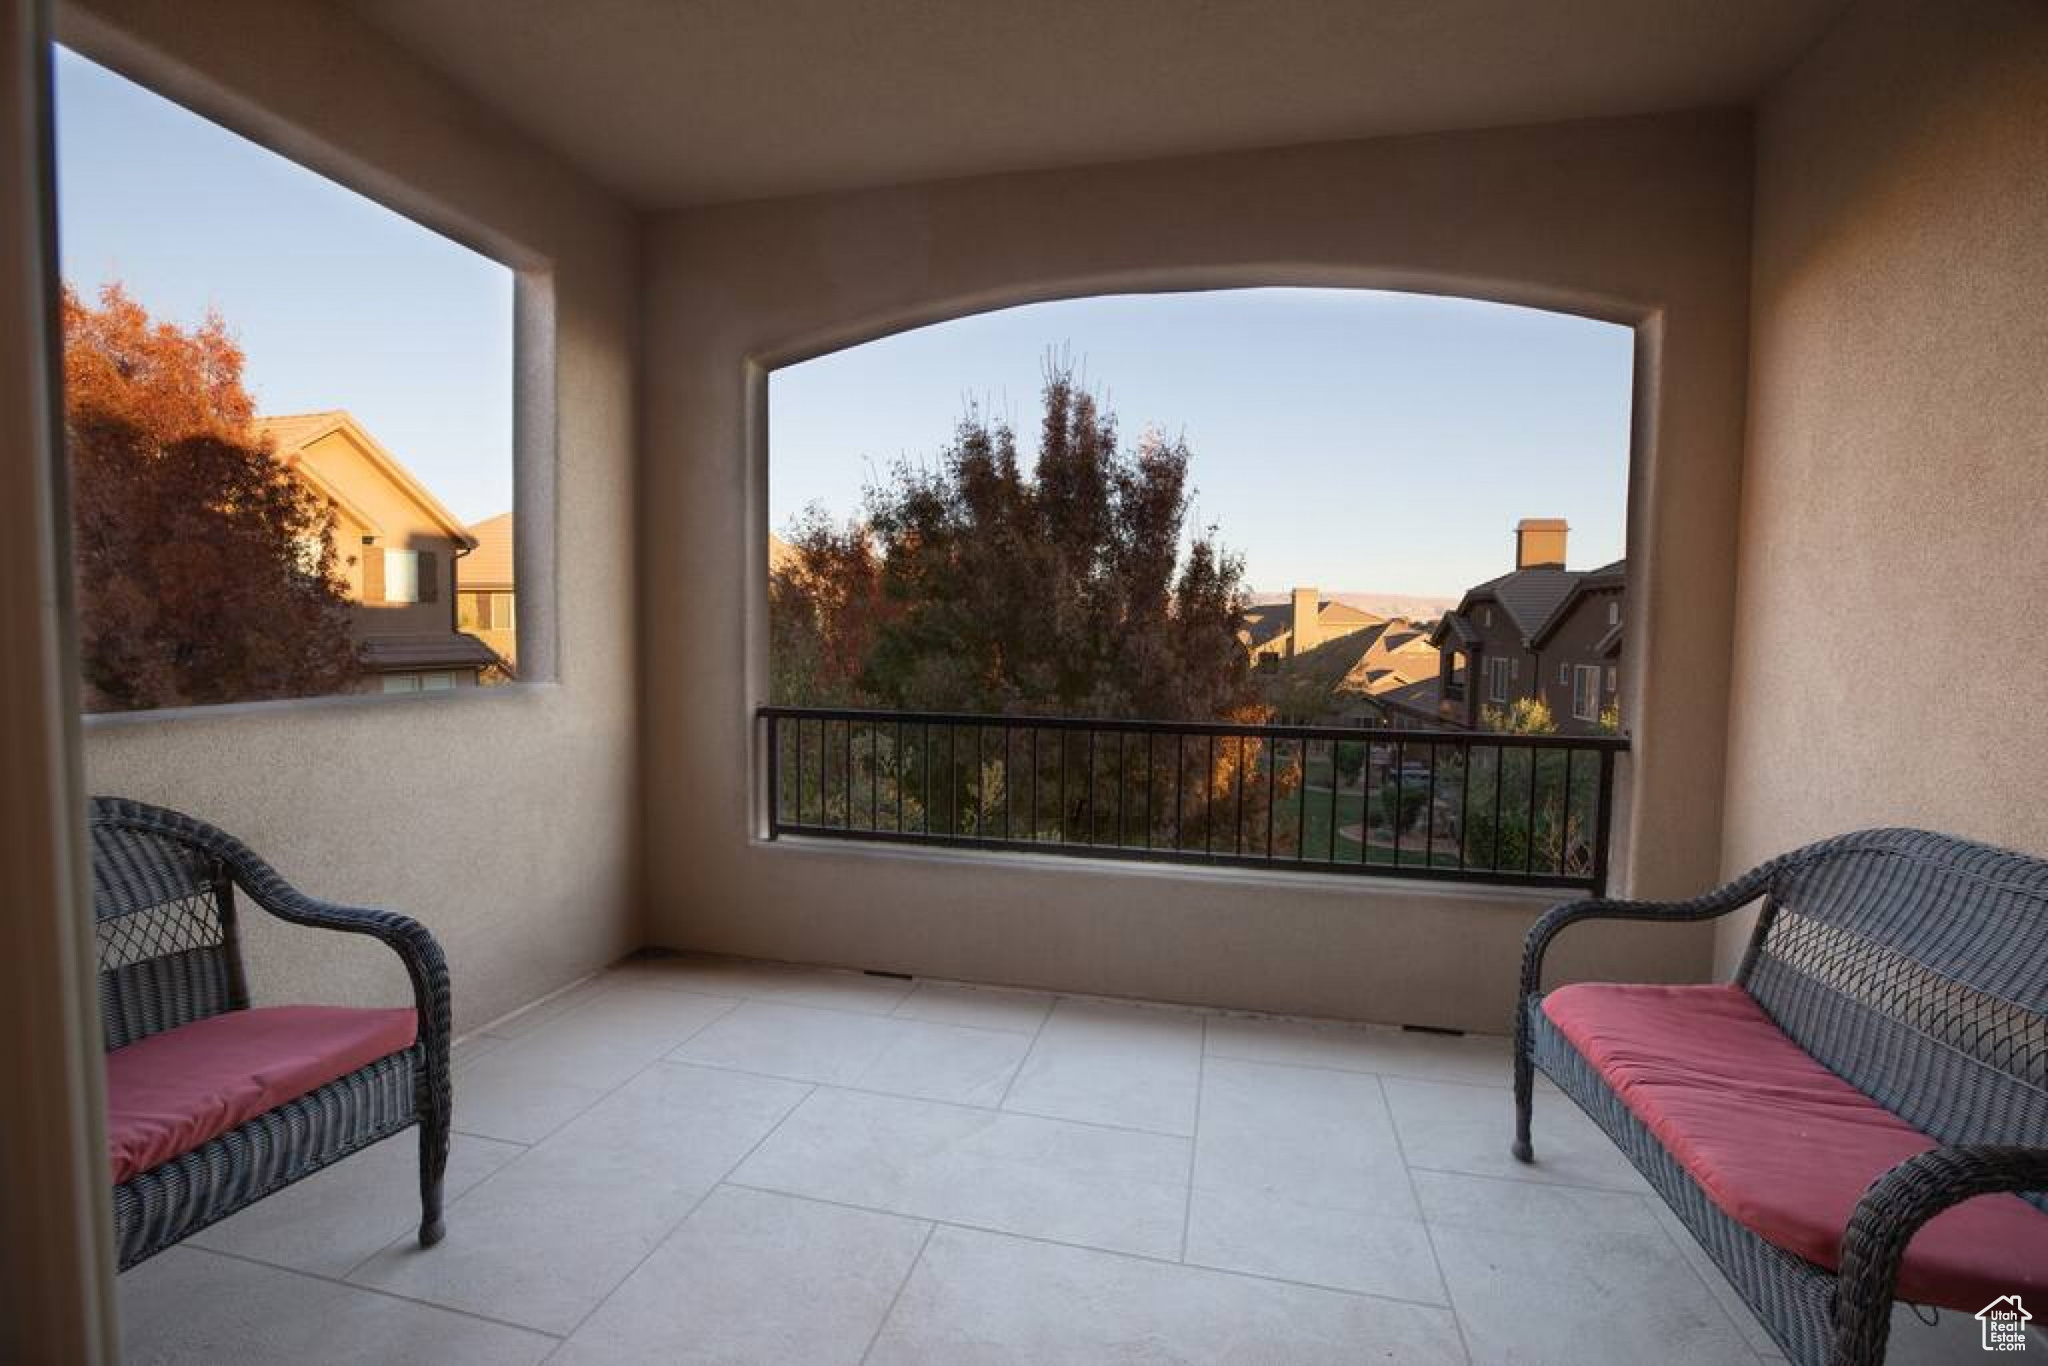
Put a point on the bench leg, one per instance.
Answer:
(433, 1167)
(1525, 1089)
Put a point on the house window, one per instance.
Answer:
(1486, 616)
(1564, 673)
(1614, 611)
(1497, 679)
(1612, 677)
(401, 576)
(1586, 692)
(427, 682)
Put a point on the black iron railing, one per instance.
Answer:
(1522, 810)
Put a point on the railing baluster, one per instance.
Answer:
(1209, 801)
(1603, 822)
(1400, 794)
(1564, 823)
(1147, 789)
(1464, 801)
(1500, 781)
(1180, 783)
(1334, 745)
(1060, 830)
(1429, 814)
(1120, 748)
(1529, 840)
(1238, 824)
(1301, 804)
(1272, 748)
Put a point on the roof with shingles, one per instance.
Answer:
(291, 433)
(490, 564)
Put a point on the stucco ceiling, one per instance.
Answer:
(674, 102)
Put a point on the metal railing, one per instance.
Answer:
(1517, 810)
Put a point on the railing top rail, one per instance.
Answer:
(1485, 738)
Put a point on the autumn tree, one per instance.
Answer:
(206, 572)
(825, 609)
(983, 583)
(1057, 588)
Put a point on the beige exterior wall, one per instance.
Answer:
(1643, 220)
(504, 818)
(1893, 496)
(400, 523)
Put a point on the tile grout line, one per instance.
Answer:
(920, 1100)
(695, 1205)
(1422, 1216)
(1029, 1053)
(528, 1148)
(1044, 1241)
(882, 1323)
(378, 1291)
(1187, 1217)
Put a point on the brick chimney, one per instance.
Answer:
(1306, 621)
(1539, 542)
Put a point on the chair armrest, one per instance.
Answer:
(1893, 1210)
(1728, 897)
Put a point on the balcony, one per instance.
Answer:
(730, 1160)
(773, 1048)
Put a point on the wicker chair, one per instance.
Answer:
(164, 907)
(1915, 967)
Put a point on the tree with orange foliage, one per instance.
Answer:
(206, 572)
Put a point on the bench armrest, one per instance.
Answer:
(1893, 1210)
(1730, 896)
(414, 944)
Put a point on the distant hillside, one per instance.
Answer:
(1408, 605)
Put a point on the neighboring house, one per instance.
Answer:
(1541, 630)
(1364, 677)
(396, 548)
(1281, 630)
(484, 605)
(1580, 646)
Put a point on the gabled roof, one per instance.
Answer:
(291, 433)
(1268, 621)
(1607, 577)
(490, 564)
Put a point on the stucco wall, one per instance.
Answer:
(1643, 220)
(505, 819)
(1894, 534)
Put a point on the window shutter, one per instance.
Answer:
(373, 573)
(430, 576)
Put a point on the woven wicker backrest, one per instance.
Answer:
(1915, 966)
(166, 954)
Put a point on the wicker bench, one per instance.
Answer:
(1913, 967)
(213, 1105)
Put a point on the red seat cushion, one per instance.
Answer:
(171, 1092)
(1784, 1146)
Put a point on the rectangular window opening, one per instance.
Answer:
(288, 415)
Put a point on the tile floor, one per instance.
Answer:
(705, 1160)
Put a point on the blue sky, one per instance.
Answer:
(1350, 439)
(338, 301)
